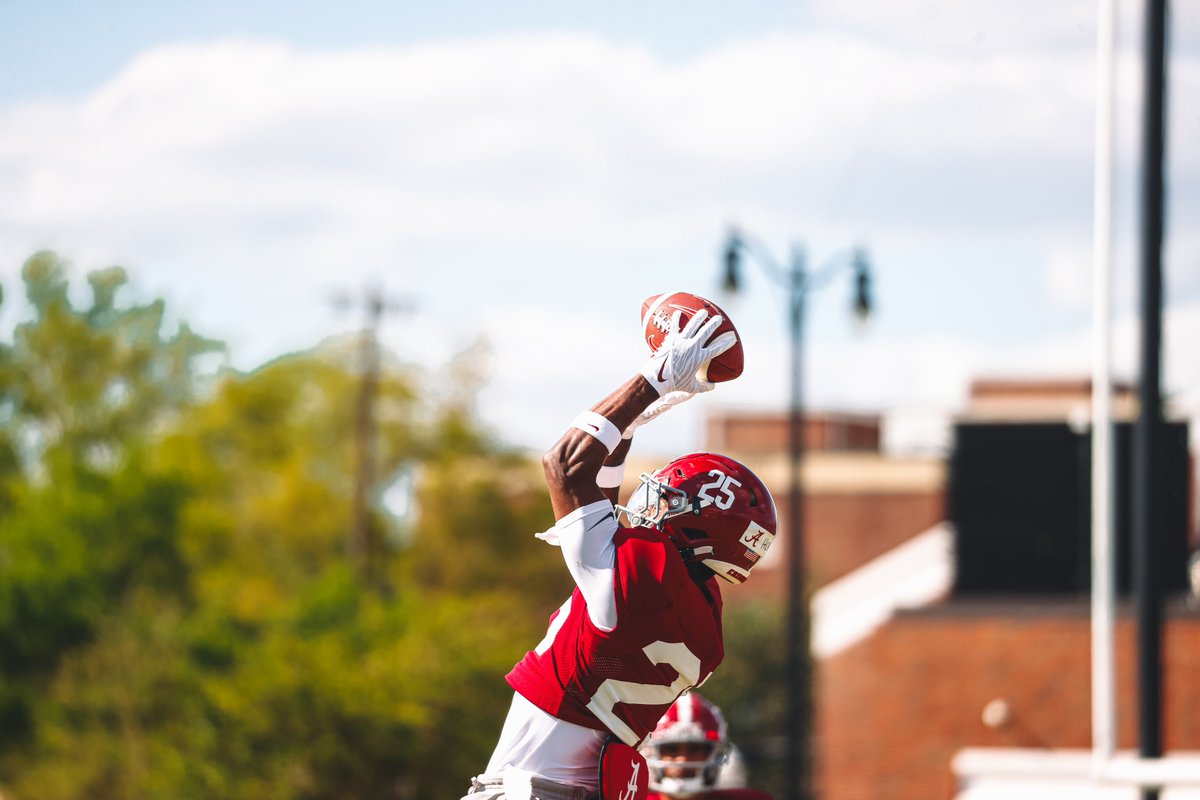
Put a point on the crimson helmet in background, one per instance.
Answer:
(697, 725)
(713, 508)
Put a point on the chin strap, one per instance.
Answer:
(690, 553)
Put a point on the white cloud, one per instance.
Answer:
(530, 187)
(558, 136)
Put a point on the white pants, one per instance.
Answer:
(536, 743)
(495, 787)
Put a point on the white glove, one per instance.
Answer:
(676, 365)
(657, 409)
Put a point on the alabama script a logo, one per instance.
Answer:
(631, 788)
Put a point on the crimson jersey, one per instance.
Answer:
(717, 794)
(667, 639)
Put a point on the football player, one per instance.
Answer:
(690, 755)
(643, 623)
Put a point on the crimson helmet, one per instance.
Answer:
(687, 749)
(712, 507)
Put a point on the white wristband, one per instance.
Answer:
(611, 477)
(598, 425)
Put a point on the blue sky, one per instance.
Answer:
(528, 172)
(63, 48)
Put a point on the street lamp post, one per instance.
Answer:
(798, 282)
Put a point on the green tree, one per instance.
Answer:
(83, 521)
(478, 517)
(84, 385)
(177, 614)
(399, 694)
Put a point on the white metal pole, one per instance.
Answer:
(1103, 572)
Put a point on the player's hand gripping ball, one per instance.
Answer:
(657, 311)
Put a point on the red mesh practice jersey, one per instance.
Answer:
(717, 794)
(667, 639)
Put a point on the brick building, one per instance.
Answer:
(896, 709)
(907, 663)
(858, 504)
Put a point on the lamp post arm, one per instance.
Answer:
(797, 281)
(833, 264)
(759, 253)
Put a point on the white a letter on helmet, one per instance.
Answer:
(757, 538)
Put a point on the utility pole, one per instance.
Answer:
(358, 538)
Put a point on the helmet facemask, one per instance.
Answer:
(654, 502)
(682, 778)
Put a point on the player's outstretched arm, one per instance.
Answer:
(572, 465)
(612, 473)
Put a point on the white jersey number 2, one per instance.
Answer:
(612, 691)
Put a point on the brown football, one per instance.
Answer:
(657, 311)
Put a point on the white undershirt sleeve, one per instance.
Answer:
(586, 538)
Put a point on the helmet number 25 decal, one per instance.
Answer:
(721, 485)
(612, 691)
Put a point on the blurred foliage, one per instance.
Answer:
(749, 688)
(178, 617)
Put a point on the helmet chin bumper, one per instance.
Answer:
(730, 572)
